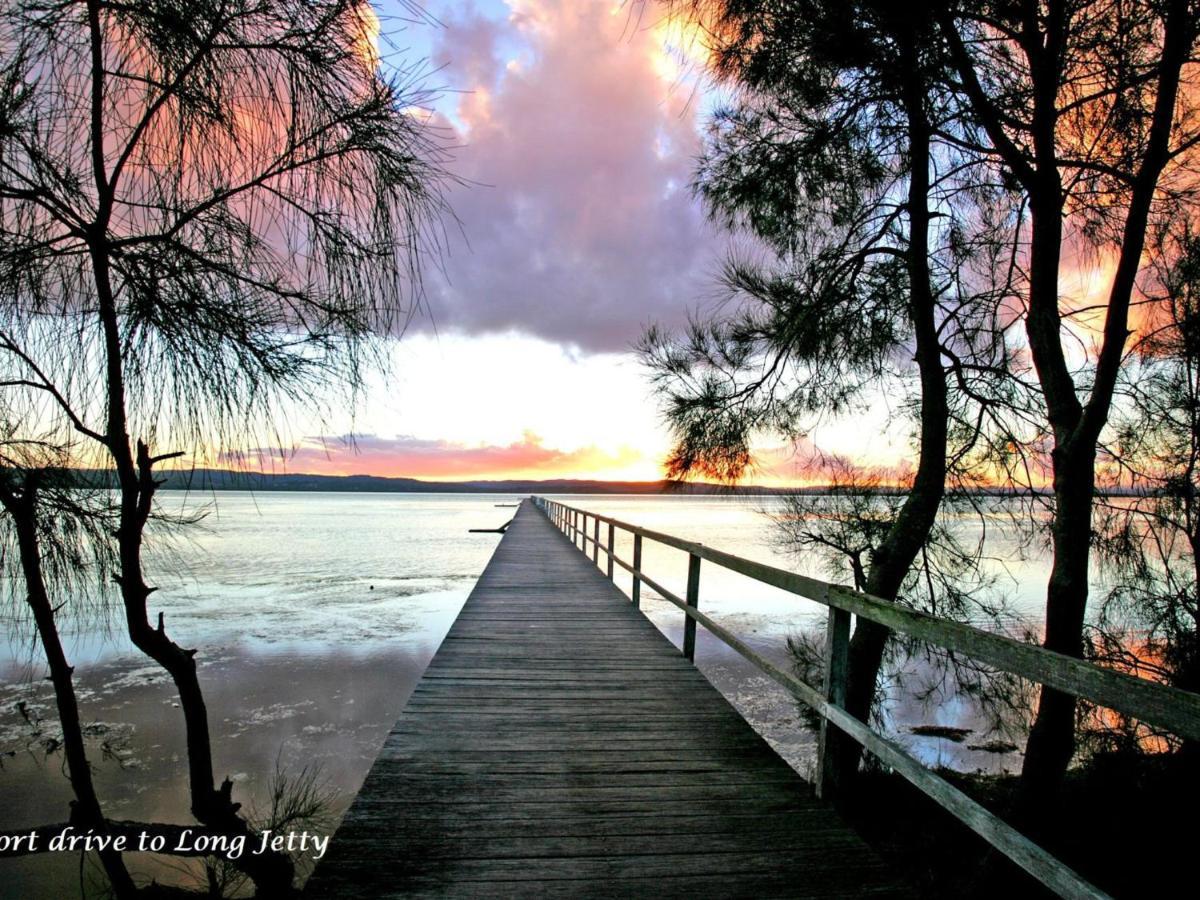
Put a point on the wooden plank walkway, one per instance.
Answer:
(560, 746)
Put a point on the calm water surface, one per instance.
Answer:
(314, 616)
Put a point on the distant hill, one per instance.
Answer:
(223, 480)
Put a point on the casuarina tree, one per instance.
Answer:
(1088, 107)
(205, 208)
(839, 157)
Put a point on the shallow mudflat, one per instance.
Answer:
(314, 616)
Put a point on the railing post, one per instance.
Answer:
(837, 646)
(693, 600)
(596, 540)
(612, 532)
(637, 567)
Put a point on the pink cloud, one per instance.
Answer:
(580, 220)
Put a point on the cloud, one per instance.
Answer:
(580, 144)
(412, 457)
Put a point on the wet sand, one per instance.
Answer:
(329, 711)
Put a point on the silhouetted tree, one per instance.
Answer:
(842, 524)
(1149, 536)
(884, 238)
(52, 544)
(1087, 107)
(204, 208)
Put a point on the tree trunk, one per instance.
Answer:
(1077, 428)
(85, 809)
(272, 873)
(1051, 743)
(894, 556)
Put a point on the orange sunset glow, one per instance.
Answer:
(530, 458)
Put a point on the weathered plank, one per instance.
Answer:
(559, 745)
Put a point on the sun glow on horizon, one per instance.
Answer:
(463, 408)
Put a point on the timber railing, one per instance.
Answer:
(1155, 704)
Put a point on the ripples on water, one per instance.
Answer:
(315, 614)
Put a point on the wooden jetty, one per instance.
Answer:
(560, 746)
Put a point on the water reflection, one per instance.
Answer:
(265, 710)
(315, 616)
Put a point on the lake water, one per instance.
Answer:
(314, 616)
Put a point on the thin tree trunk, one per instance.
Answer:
(1051, 744)
(1077, 428)
(894, 556)
(86, 811)
(272, 873)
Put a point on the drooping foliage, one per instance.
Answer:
(205, 209)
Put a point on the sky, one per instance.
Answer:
(574, 126)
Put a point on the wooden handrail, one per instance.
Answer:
(994, 830)
(1171, 708)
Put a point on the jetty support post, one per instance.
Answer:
(612, 549)
(693, 600)
(636, 593)
(837, 646)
